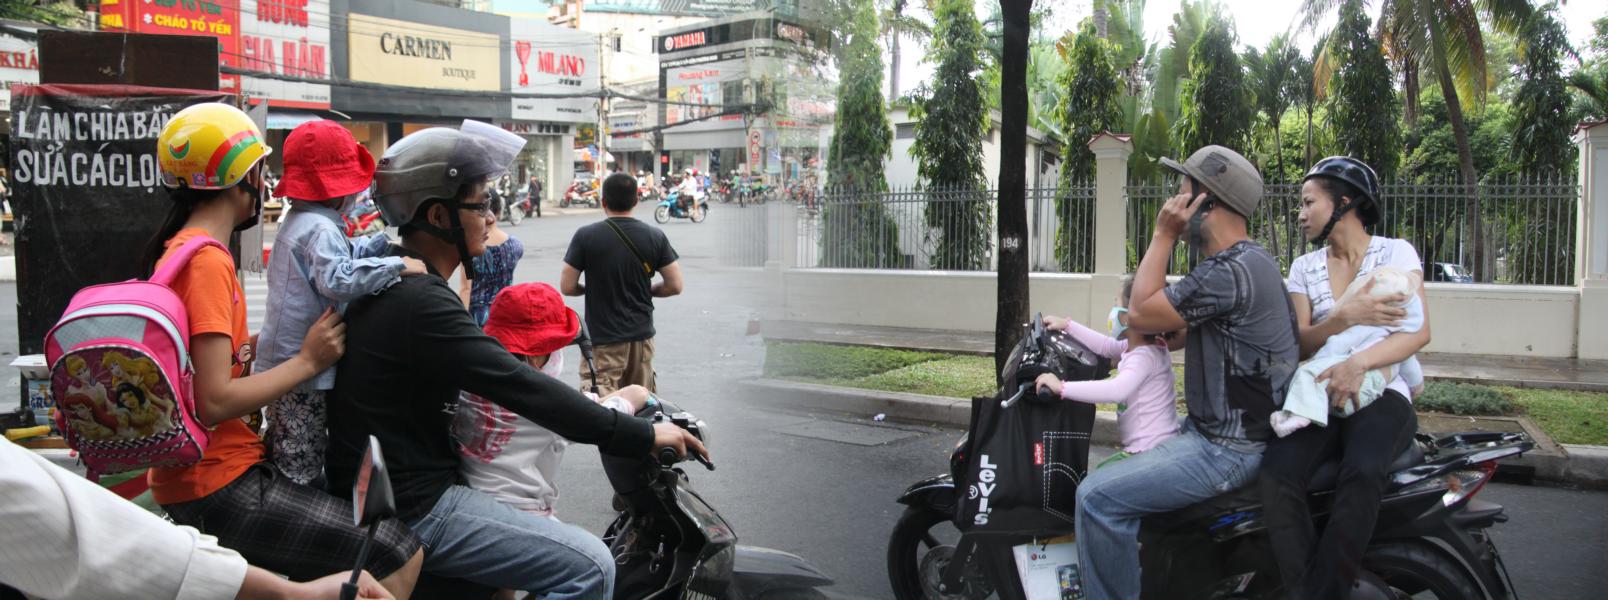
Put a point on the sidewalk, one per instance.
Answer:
(1542, 373)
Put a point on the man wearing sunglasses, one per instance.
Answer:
(413, 347)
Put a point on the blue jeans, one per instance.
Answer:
(469, 535)
(1180, 472)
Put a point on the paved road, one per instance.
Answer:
(823, 485)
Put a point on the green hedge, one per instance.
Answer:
(833, 363)
(1464, 399)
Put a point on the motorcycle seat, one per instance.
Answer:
(1249, 497)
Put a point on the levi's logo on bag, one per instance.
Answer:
(1038, 454)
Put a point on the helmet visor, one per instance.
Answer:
(484, 151)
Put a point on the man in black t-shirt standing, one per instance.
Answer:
(620, 256)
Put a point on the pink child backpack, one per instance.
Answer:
(120, 372)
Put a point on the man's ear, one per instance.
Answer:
(437, 216)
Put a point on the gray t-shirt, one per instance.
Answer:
(1242, 347)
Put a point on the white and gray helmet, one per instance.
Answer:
(434, 163)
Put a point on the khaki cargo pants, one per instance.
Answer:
(620, 365)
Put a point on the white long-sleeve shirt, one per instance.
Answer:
(64, 537)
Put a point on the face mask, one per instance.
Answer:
(1115, 322)
(555, 364)
(256, 206)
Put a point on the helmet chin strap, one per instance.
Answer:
(455, 235)
(1334, 219)
(256, 206)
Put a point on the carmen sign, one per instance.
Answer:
(389, 51)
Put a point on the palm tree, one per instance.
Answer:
(1594, 88)
(1273, 77)
(895, 25)
(1444, 39)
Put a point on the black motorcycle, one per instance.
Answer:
(667, 541)
(1430, 539)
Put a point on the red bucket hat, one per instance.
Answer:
(324, 161)
(530, 319)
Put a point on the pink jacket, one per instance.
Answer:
(1144, 381)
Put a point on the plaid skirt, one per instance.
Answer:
(297, 531)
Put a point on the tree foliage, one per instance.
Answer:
(1217, 105)
(1274, 79)
(951, 123)
(1363, 107)
(861, 139)
(1541, 112)
(1090, 89)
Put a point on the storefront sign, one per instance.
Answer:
(19, 63)
(548, 59)
(216, 18)
(532, 128)
(287, 37)
(410, 54)
(685, 41)
(705, 84)
(691, 8)
(86, 188)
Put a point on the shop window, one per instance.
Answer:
(905, 131)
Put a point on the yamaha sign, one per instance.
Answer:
(683, 41)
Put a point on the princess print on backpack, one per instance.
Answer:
(120, 362)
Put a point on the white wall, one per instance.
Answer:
(1464, 318)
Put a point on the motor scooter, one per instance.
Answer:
(579, 194)
(670, 208)
(1430, 540)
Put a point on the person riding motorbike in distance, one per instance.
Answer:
(412, 348)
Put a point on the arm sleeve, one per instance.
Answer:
(667, 254)
(1103, 345)
(342, 278)
(1206, 292)
(575, 256)
(64, 537)
(372, 246)
(1130, 373)
(1405, 257)
(459, 352)
(1296, 283)
(209, 290)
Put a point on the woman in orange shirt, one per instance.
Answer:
(210, 155)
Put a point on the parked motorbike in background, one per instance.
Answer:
(580, 193)
(1431, 539)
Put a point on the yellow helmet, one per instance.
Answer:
(209, 146)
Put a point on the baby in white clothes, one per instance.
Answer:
(1308, 401)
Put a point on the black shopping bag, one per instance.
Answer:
(1023, 465)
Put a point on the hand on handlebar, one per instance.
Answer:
(1048, 381)
(1054, 323)
(672, 436)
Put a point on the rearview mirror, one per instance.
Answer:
(371, 493)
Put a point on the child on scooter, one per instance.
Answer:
(505, 455)
(1143, 388)
(316, 267)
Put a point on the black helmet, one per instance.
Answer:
(1362, 178)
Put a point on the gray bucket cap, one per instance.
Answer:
(1227, 174)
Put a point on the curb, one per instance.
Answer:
(1573, 464)
(8, 268)
(896, 405)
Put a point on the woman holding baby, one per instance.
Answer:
(1361, 316)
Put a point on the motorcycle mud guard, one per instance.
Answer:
(935, 493)
(758, 571)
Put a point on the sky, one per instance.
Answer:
(1256, 22)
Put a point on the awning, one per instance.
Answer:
(279, 118)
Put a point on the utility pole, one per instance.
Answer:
(604, 42)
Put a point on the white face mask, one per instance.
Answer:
(555, 364)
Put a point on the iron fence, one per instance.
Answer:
(942, 228)
(1515, 230)
(744, 232)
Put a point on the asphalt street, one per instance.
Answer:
(823, 485)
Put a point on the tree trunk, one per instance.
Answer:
(1309, 133)
(1012, 294)
(1473, 225)
(893, 47)
(1409, 84)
